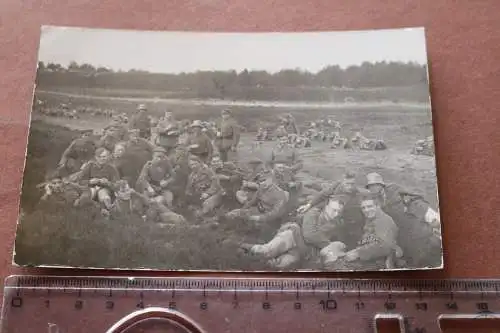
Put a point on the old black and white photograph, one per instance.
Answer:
(211, 151)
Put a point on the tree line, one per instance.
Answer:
(246, 84)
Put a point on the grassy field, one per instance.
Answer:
(415, 93)
(54, 235)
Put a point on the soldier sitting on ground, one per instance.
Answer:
(359, 141)
(230, 179)
(128, 202)
(101, 177)
(250, 180)
(203, 189)
(78, 152)
(156, 178)
(419, 224)
(268, 206)
(378, 248)
(350, 227)
(321, 226)
(338, 141)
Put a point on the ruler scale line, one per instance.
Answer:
(246, 304)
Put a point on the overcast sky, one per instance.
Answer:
(175, 52)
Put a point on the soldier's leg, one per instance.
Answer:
(279, 245)
(167, 198)
(285, 261)
(104, 197)
(85, 198)
(168, 216)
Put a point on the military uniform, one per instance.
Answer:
(377, 247)
(251, 176)
(168, 134)
(130, 164)
(103, 189)
(421, 247)
(178, 157)
(227, 137)
(78, 152)
(108, 142)
(141, 122)
(94, 170)
(129, 202)
(269, 204)
(151, 176)
(291, 127)
(204, 182)
(352, 215)
(118, 130)
(203, 147)
(318, 230)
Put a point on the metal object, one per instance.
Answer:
(132, 305)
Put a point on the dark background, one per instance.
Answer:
(463, 44)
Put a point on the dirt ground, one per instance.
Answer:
(56, 236)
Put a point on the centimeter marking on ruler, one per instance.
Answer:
(266, 285)
(419, 300)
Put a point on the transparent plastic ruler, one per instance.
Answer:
(258, 305)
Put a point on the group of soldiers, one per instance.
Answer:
(323, 130)
(65, 111)
(177, 174)
(329, 130)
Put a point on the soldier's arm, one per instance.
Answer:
(373, 251)
(66, 152)
(274, 213)
(143, 179)
(236, 135)
(214, 186)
